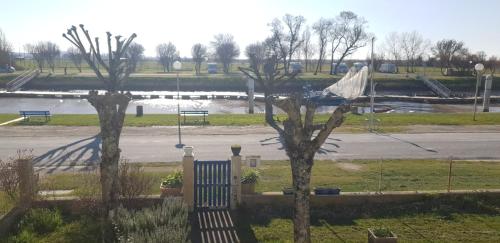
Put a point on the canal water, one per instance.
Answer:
(213, 106)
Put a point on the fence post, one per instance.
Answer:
(188, 176)
(27, 182)
(235, 181)
(449, 174)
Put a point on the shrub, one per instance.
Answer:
(41, 221)
(173, 180)
(161, 223)
(382, 232)
(89, 194)
(133, 181)
(9, 178)
(250, 176)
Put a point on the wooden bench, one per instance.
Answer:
(195, 113)
(27, 114)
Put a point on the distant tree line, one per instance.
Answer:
(323, 43)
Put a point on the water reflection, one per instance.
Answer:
(214, 106)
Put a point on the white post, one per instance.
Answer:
(251, 90)
(235, 181)
(487, 93)
(188, 176)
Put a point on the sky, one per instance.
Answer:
(186, 22)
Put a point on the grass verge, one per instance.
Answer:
(387, 122)
(353, 176)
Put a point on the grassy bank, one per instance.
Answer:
(387, 122)
(354, 176)
(235, 81)
(397, 175)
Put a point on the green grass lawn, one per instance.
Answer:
(352, 176)
(397, 175)
(426, 227)
(353, 122)
(5, 203)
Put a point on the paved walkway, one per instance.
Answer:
(65, 146)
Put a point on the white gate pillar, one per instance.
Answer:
(235, 181)
(188, 176)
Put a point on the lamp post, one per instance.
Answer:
(177, 66)
(479, 68)
(372, 89)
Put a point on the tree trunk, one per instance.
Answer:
(111, 109)
(301, 174)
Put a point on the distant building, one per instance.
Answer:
(388, 68)
(343, 68)
(296, 67)
(359, 65)
(212, 68)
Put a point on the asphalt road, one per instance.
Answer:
(60, 146)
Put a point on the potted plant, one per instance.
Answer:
(248, 181)
(236, 149)
(172, 185)
(381, 235)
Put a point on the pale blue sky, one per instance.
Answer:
(185, 22)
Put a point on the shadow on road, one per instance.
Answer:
(84, 152)
(408, 142)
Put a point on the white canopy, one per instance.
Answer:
(351, 86)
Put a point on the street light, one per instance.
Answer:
(177, 66)
(479, 68)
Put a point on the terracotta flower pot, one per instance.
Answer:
(171, 191)
(248, 188)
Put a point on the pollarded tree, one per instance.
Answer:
(300, 136)
(199, 53)
(110, 106)
(76, 57)
(226, 50)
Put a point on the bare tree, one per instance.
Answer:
(308, 48)
(135, 54)
(321, 28)
(256, 55)
(76, 57)
(111, 106)
(298, 133)
(287, 33)
(5, 49)
(446, 50)
(413, 46)
(199, 53)
(336, 32)
(167, 54)
(392, 46)
(353, 34)
(226, 50)
(51, 52)
(44, 53)
(37, 51)
(492, 64)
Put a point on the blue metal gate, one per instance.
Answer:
(212, 184)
